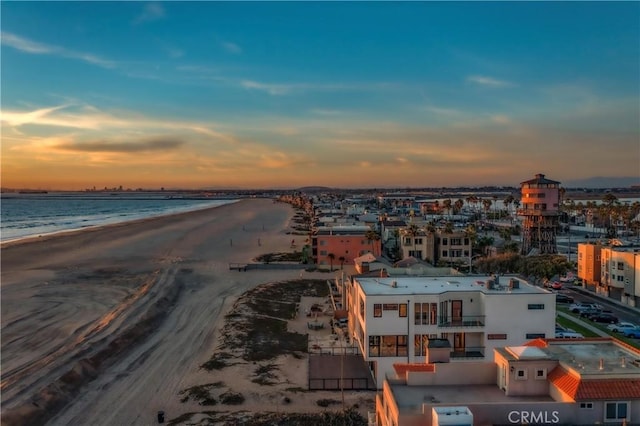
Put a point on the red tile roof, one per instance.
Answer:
(593, 389)
(401, 369)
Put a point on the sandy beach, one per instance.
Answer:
(107, 326)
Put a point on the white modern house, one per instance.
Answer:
(395, 319)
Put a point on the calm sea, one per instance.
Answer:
(28, 215)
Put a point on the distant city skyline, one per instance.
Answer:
(336, 94)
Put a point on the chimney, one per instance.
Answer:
(394, 284)
(601, 365)
(623, 362)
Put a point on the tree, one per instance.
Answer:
(331, 257)
(341, 259)
(372, 236)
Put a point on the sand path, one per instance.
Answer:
(64, 297)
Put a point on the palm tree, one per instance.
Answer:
(341, 259)
(447, 205)
(331, 257)
(413, 231)
(372, 236)
(457, 206)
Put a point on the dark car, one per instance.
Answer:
(604, 317)
(563, 298)
(589, 312)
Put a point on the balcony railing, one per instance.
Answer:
(464, 321)
(468, 352)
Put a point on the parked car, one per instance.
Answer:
(568, 335)
(557, 285)
(621, 326)
(604, 317)
(563, 298)
(589, 312)
(635, 333)
(577, 307)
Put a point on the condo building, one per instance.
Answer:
(395, 319)
(612, 271)
(546, 381)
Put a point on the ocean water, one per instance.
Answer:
(28, 215)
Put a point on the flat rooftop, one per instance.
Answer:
(408, 397)
(585, 357)
(441, 284)
(590, 358)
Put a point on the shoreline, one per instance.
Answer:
(69, 298)
(62, 232)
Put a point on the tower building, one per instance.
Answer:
(541, 212)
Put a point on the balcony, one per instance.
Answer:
(464, 321)
(470, 352)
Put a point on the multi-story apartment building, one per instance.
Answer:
(394, 319)
(620, 270)
(342, 242)
(552, 381)
(612, 271)
(437, 246)
(589, 265)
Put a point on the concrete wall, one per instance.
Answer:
(457, 373)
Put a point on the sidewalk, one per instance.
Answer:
(583, 324)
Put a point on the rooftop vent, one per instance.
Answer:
(490, 284)
(394, 284)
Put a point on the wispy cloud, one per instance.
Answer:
(151, 12)
(145, 145)
(37, 48)
(272, 89)
(279, 89)
(24, 44)
(231, 47)
(90, 118)
(489, 81)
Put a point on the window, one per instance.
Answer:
(535, 335)
(616, 411)
(433, 318)
(521, 374)
(377, 310)
(420, 344)
(361, 308)
(456, 241)
(403, 310)
(444, 242)
(586, 405)
(621, 266)
(533, 306)
(541, 373)
(323, 252)
(323, 243)
(374, 345)
(390, 306)
(418, 241)
(620, 277)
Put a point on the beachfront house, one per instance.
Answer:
(393, 319)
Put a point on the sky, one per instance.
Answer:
(342, 94)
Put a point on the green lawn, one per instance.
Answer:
(577, 327)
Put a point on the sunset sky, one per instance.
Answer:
(289, 94)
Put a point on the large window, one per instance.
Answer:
(388, 346)
(616, 411)
(403, 310)
(421, 314)
(377, 310)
